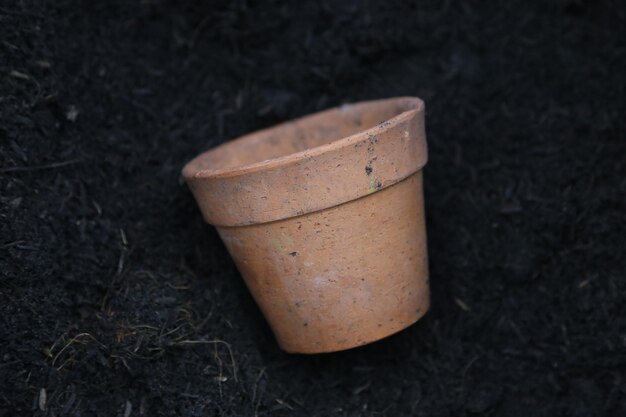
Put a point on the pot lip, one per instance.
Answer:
(189, 173)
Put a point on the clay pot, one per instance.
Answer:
(324, 217)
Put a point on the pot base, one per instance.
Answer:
(388, 331)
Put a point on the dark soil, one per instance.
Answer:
(116, 299)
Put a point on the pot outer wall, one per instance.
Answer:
(341, 277)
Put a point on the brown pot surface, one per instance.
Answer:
(324, 217)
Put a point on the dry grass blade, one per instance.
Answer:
(213, 342)
(71, 342)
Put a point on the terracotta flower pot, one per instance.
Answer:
(324, 217)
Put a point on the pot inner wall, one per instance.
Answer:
(300, 135)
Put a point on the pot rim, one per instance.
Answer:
(190, 173)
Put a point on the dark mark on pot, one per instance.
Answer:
(371, 141)
(368, 167)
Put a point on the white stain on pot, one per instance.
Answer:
(320, 282)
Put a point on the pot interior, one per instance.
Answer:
(299, 135)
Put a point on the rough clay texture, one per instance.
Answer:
(336, 256)
(117, 299)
